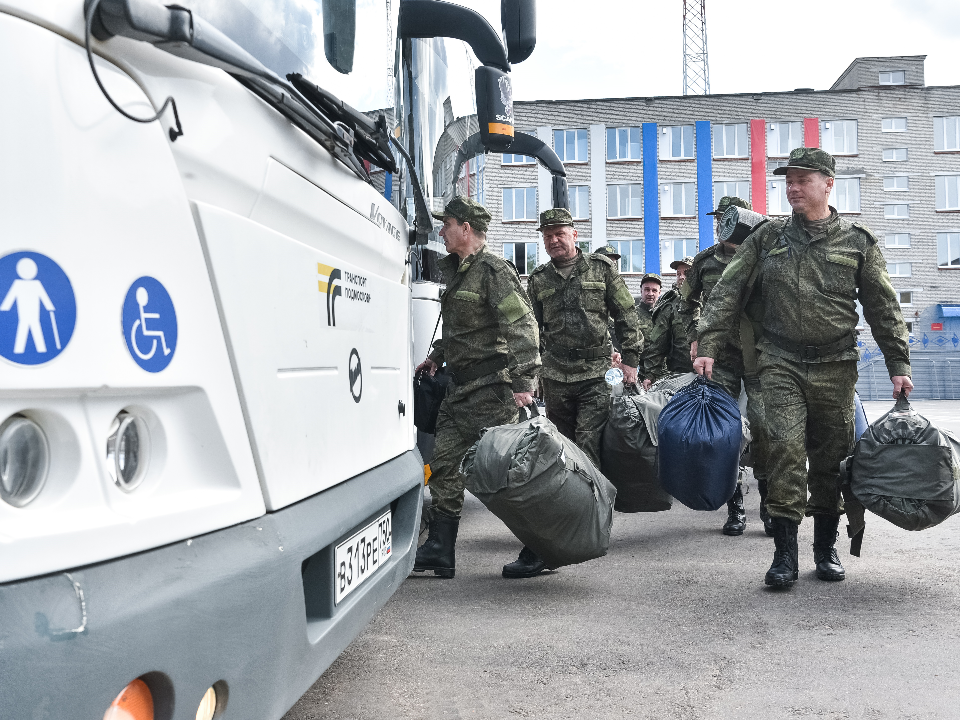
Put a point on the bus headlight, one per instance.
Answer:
(128, 450)
(24, 460)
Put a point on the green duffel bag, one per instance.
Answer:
(904, 469)
(543, 487)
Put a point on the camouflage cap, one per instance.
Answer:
(728, 201)
(555, 216)
(688, 261)
(652, 277)
(609, 250)
(809, 159)
(466, 210)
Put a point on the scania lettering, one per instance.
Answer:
(209, 479)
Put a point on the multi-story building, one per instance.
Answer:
(643, 172)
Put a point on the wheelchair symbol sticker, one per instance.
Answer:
(38, 310)
(149, 324)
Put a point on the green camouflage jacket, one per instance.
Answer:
(809, 290)
(645, 323)
(486, 314)
(573, 313)
(668, 348)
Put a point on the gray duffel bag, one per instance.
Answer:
(542, 486)
(904, 469)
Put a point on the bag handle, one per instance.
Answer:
(902, 403)
(433, 337)
(533, 410)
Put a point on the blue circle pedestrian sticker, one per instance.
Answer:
(149, 324)
(38, 310)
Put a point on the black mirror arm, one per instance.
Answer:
(434, 18)
(424, 220)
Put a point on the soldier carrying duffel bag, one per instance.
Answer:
(544, 488)
(904, 469)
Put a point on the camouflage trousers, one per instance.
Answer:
(809, 417)
(579, 410)
(730, 378)
(462, 417)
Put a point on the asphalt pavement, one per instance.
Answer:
(675, 622)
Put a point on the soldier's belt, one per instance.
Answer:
(480, 369)
(810, 353)
(600, 351)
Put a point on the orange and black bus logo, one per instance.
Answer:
(329, 283)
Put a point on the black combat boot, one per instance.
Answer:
(824, 552)
(528, 565)
(437, 553)
(764, 514)
(783, 571)
(736, 514)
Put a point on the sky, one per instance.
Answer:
(627, 48)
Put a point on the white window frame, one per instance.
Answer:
(846, 192)
(579, 196)
(688, 199)
(897, 268)
(579, 134)
(631, 255)
(901, 293)
(721, 189)
(947, 240)
(894, 240)
(891, 211)
(891, 77)
(893, 158)
(634, 200)
(946, 133)
(721, 136)
(793, 141)
(828, 129)
(892, 122)
(896, 179)
(669, 256)
(778, 185)
(529, 214)
(527, 247)
(524, 159)
(621, 154)
(686, 132)
(947, 195)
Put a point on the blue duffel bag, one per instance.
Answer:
(700, 434)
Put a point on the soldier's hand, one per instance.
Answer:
(693, 351)
(615, 359)
(704, 366)
(629, 375)
(523, 399)
(647, 383)
(429, 365)
(901, 382)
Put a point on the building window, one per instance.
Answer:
(731, 188)
(897, 240)
(839, 137)
(624, 201)
(946, 134)
(905, 297)
(892, 77)
(580, 202)
(894, 154)
(896, 212)
(898, 269)
(570, 145)
(583, 245)
(730, 140)
(470, 183)
(948, 197)
(520, 203)
(676, 142)
(845, 196)
(523, 255)
(894, 124)
(777, 198)
(948, 249)
(509, 159)
(896, 183)
(678, 199)
(631, 255)
(782, 137)
(623, 143)
(671, 250)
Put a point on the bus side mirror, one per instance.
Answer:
(519, 21)
(494, 108)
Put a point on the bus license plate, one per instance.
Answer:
(361, 556)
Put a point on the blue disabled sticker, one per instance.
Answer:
(38, 310)
(149, 324)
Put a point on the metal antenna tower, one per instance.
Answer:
(696, 67)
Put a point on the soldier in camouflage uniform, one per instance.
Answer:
(729, 369)
(668, 347)
(574, 295)
(490, 344)
(812, 267)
